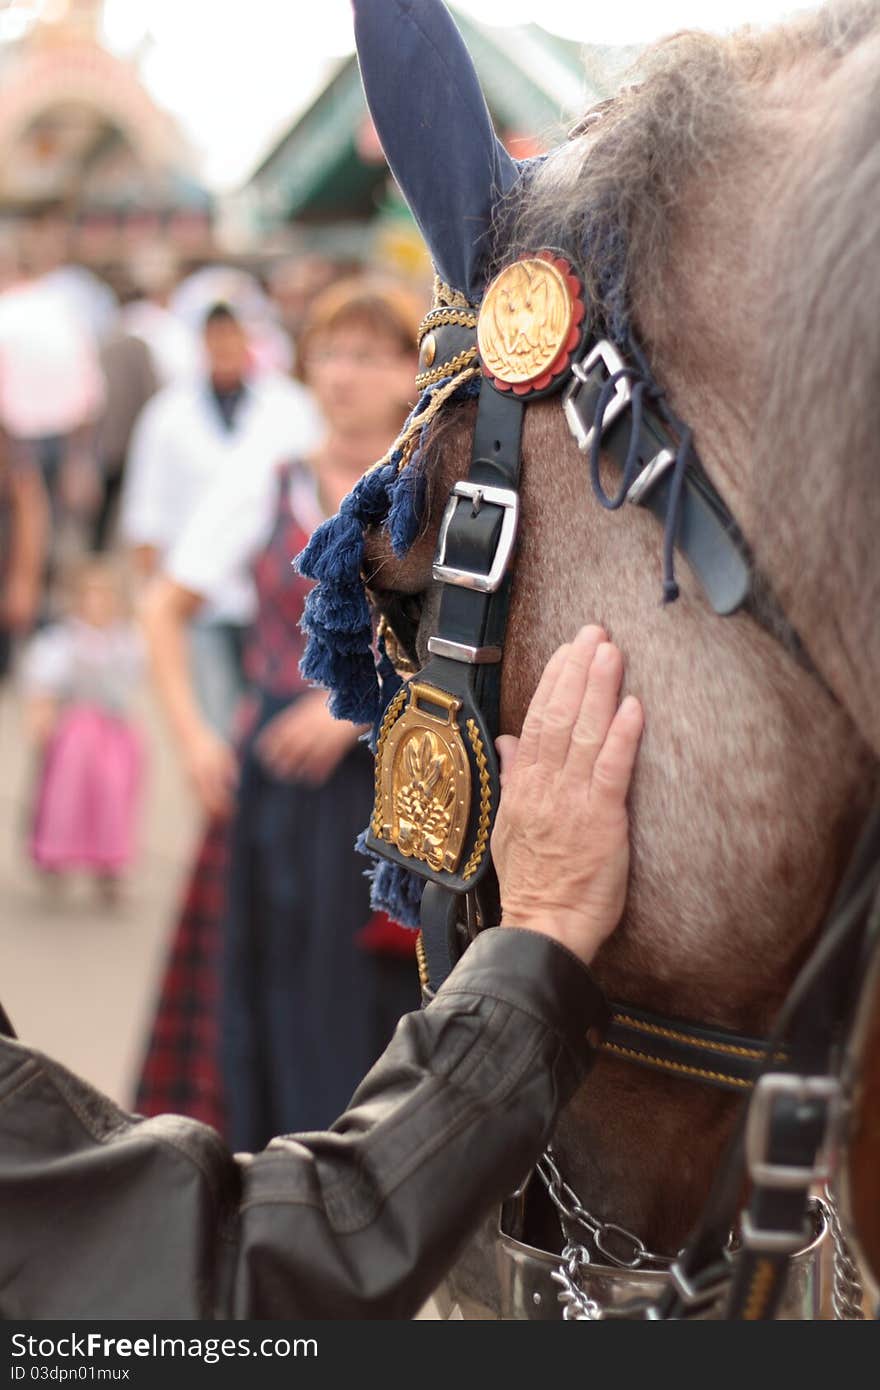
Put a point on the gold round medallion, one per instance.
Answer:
(525, 320)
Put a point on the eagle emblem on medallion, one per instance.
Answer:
(530, 322)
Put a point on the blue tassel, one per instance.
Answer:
(349, 676)
(392, 889)
(335, 551)
(342, 608)
(371, 494)
(336, 617)
(407, 508)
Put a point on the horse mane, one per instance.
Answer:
(817, 478)
(624, 200)
(608, 194)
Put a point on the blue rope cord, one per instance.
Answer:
(643, 384)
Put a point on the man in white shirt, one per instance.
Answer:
(186, 438)
(51, 388)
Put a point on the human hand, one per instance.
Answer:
(19, 603)
(561, 838)
(41, 718)
(80, 485)
(212, 768)
(304, 743)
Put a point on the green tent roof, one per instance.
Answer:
(536, 83)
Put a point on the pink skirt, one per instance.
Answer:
(88, 793)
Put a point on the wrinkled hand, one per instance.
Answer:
(561, 839)
(212, 768)
(305, 743)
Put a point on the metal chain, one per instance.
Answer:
(846, 1289)
(577, 1306)
(612, 1242)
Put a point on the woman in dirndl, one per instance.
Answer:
(312, 983)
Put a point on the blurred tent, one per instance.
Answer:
(84, 150)
(327, 173)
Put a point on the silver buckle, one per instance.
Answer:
(606, 353)
(787, 1242)
(460, 651)
(477, 493)
(692, 1297)
(650, 474)
(772, 1242)
(769, 1089)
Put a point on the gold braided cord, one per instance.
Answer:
(389, 718)
(445, 296)
(759, 1291)
(482, 839)
(449, 368)
(441, 317)
(418, 422)
(422, 959)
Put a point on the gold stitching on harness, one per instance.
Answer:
(761, 1287)
(422, 962)
(448, 368)
(391, 714)
(485, 801)
(440, 317)
(681, 1067)
(758, 1053)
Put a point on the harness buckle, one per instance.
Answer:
(478, 494)
(800, 1090)
(650, 474)
(605, 353)
(691, 1296)
(461, 651)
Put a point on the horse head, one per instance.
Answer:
(714, 213)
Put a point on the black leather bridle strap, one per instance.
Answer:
(469, 617)
(780, 1135)
(443, 940)
(465, 650)
(706, 534)
(795, 1107)
(715, 1057)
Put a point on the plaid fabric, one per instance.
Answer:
(276, 643)
(181, 1070)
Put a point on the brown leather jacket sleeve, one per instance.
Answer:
(364, 1220)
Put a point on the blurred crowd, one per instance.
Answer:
(165, 452)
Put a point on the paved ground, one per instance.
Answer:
(78, 978)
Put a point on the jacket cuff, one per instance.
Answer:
(535, 974)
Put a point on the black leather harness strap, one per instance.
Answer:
(706, 533)
(473, 563)
(477, 535)
(715, 1056)
(780, 1138)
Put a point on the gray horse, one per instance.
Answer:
(722, 208)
